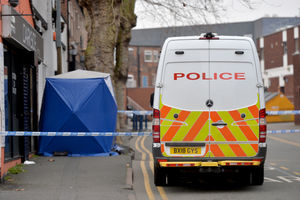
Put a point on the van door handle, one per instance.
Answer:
(219, 123)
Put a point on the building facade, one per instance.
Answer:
(77, 36)
(276, 52)
(143, 63)
(28, 55)
(22, 49)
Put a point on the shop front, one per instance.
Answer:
(23, 51)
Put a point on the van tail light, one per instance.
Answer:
(262, 126)
(156, 126)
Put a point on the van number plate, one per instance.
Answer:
(185, 150)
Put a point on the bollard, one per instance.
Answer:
(146, 122)
(141, 122)
(134, 122)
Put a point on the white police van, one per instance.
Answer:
(209, 109)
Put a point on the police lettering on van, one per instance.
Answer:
(209, 109)
(215, 76)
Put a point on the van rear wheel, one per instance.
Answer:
(159, 176)
(257, 176)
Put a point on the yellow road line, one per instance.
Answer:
(284, 168)
(144, 171)
(145, 149)
(297, 173)
(148, 152)
(285, 141)
(161, 190)
(146, 181)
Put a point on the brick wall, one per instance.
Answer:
(289, 87)
(274, 85)
(273, 50)
(141, 96)
(290, 45)
(296, 62)
(147, 69)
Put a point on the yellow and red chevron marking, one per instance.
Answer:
(238, 139)
(228, 136)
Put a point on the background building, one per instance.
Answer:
(28, 55)
(276, 56)
(77, 36)
(22, 49)
(146, 44)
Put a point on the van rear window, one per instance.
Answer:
(230, 85)
(182, 89)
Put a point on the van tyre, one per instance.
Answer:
(159, 176)
(257, 176)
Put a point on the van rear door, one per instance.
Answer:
(234, 128)
(184, 116)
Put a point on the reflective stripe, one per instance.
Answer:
(210, 164)
(215, 149)
(244, 128)
(238, 139)
(254, 111)
(175, 126)
(164, 111)
(196, 128)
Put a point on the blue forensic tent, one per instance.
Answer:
(78, 101)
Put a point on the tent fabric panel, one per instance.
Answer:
(101, 101)
(53, 104)
(73, 91)
(88, 105)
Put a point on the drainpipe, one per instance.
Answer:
(138, 68)
(58, 36)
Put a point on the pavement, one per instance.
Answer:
(88, 178)
(69, 178)
(281, 126)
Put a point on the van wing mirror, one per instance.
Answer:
(151, 100)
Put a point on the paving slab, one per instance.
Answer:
(70, 178)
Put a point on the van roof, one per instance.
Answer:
(221, 37)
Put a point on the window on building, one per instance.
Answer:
(148, 56)
(296, 44)
(145, 81)
(284, 47)
(155, 56)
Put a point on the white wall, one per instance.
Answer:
(64, 53)
(49, 65)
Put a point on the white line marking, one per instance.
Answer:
(271, 180)
(284, 179)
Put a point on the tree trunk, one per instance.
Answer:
(109, 24)
(127, 22)
(104, 22)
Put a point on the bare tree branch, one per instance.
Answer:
(166, 12)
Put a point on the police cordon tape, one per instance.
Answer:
(284, 112)
(136, 112)
(284, 131)
(145, 112)
(28, 133)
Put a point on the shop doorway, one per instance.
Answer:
(20, 101)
